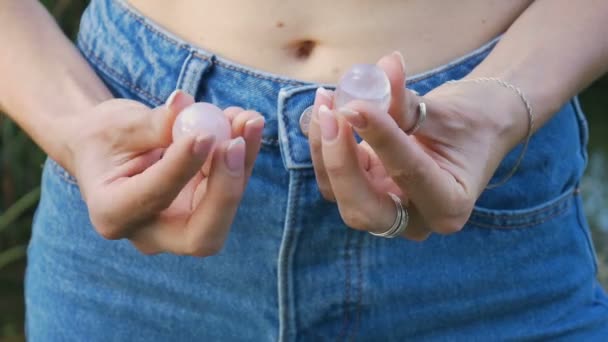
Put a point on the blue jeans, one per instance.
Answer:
(523, 268)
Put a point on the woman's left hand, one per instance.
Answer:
(439, 172)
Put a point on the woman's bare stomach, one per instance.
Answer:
(316, 40)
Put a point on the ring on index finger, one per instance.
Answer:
(421, 111)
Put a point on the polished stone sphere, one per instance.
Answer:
(202, 119)
(366, 82)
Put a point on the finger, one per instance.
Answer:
(204, 232)
(322, 97)
(404, 102)
(360, 206)
(129, 201)
(231, 112)
(252, 133)
(208, 226)
(147, 129)
(249, 124)
(415, 230)
(408, 164)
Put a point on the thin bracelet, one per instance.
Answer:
(530, 121)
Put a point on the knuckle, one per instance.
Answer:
(327, 194)
(449, 225)
(146, 250)
(107, 230)
(407, 175)
(379, 139)
(336, 169)
(356, 219)
(104, 225)
(418, 238)
(453, 217)
(204, 249)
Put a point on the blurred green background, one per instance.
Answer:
(21, 164)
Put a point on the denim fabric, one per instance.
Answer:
(523, 268)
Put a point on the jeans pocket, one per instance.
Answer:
(522, 218)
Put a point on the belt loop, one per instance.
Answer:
(192, 72)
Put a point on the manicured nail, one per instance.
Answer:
(202, 145)
(252, 124)
(324, 93)
(255, 121)
(328, 123)
(235, 154)
(401, 59)
(353, 117)
(172, 97)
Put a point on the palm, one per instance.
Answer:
(187, 199)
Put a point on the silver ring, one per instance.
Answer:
(419, 120)
(401, 220)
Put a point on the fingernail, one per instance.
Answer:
(353, 117)
(172, 97)
(201, 145)
(251, 124)
(328, 123)
(235, 154)
(255, 121)
(324, 93)
(401, 59)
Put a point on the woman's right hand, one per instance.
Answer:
(140, 185)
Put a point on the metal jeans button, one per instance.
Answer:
(305, 118)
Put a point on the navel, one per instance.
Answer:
(302, 49)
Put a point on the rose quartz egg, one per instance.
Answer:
(366, 82)
(201, 119)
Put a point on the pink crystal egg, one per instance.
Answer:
(366, 82)
(202, 118)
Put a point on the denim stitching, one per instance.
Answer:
(184, 46)
(463, 59)
(529, 213)
(114, 73)
(586, 235)
(583, 128)
(357, 319)
(286, 250)
(451, 67)
(558, 211)
(271, 142)
(184, 80)
(61, 172)
(201, 56)
(434, 73)
(345, 322)
(252, 73)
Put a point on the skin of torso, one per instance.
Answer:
(317, 40)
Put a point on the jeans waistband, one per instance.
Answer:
(150, 63)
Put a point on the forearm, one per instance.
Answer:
(551, 52)
(44, 77)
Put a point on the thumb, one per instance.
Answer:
(393, 65)
(158, 124)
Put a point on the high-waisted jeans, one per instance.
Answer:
(522, 268)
